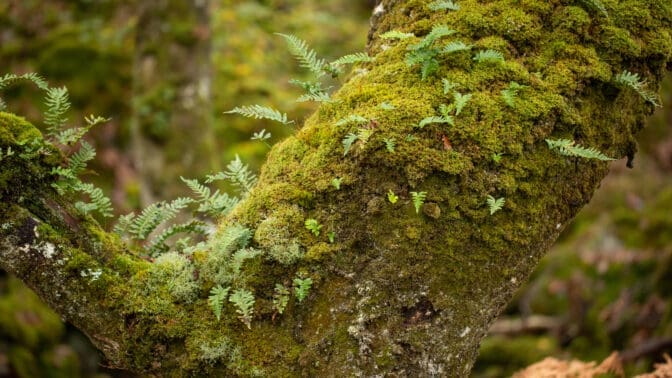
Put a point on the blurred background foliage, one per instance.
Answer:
(165, 72)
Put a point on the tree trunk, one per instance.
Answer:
(398, 293)
(172, 112)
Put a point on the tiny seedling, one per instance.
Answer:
(302, 287)
(313, 226)
(393, 198)
(418, 200)
(497, 158)
(390, 144)
(495, 204)
(336, 183)
(332, 236)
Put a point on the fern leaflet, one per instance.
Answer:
(511, 92)
(158, 244)
(495, 204)
(58, 104)
(359, 57)
(568, 147)
(489, 56)
(454, 47)
(631, 80)
(261, 112)
(302, 287)
(244, 301)
(460, 101)
(280, 298)
(418, 200)
(216, 300)
(306, 57)
(239, 175)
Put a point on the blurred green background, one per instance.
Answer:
(166, 70)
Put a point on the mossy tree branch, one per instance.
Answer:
(396, 292)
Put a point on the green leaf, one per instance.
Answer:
(217, 298)
(306, 56)
(393, 198)
(348, 141)
(495, 204)
(244, 301)
(313, 226)
(460, 101)
(302, 287)
(568, 147)
(418, 200)
(261, 112)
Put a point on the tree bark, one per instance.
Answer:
(397, 293)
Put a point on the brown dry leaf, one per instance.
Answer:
(554, 368)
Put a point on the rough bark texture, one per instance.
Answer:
(397, 293)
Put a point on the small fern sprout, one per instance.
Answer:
(511, 92)
(456, 46)
(443, 5)
(631, 80)
(418, 200)
(302, 287)
(352, 59)
(348, 140)
(497, 158)
(331, 235)
(336, 183)
(244, 301)
(569, 147)
(261, 112)
(460, 101)
(390, 144)
(216, 300)
(280, 298)
(387, 106)
(238, 173)
(393, 198)
(313, 226)
(448, 86)
(495, 204)
(491, 56)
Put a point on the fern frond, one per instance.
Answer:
(352, 119)
(395, 34)
(631, 80)
(99, 202)
(302, 287)
(244, 301)
(418, 200)
(211, 204)
(460, 101)
(359, 57)
(316, 97)
(443, 5)
(156, 214)
(314, 89)
(306, 57)
(58, 104)
(79, 159)
(239, 175)
(348, 140)
(280, 298)
(438, 31)
(313, 226)
(495, 204)
(489, 56)
(239, 257)
(217, 298)
(448, 86)
(9, 79)
(158, 244)
(260, 112)
(123, 224)
(511, 92)
(455, 46)
(568, 147)
(387, 106)
(262, 135)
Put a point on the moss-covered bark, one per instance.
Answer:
(396, 293)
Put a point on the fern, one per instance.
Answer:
(9, 79)
(352, 59)
(568, 147)
(443, 5)
(216, 300)
(352, 119)
(99, 202)
(211, 204)
(244, 301)
(142, 225)
(348, 141)
(262, 136)
(495, 204)
(79, 159)
(390, 144)
(493, 56)
(331, 235)
(158, 244)
(239, 175)
(387, 106)
(454, 47)
(280, 298)
(306, 57)
(261, 112)
(302, 287)
(58, 104)
(395, 34)
(418, 200)
(511, 92)
(8, 152)
(448, 86)
(460, 101)
(313, 226)
(438, 31)
(314, 90)
(631, 80)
